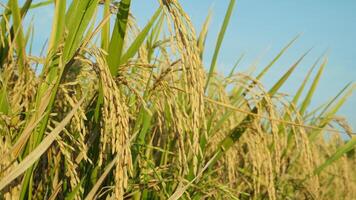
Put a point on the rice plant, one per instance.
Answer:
(115, 111)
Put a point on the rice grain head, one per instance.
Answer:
(115, 137)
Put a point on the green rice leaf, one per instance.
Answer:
(203, 35)
(285, 77)
(330, 113)
(312, 89)
(219, 42)
(134, 47)
(302, 86)
(4, 102)
(275, 59)
(105, 33)
(118, 37)
(18, 32)
(235, 66)
(82, 11)
(57, 25)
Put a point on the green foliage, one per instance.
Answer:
(219, 41)
(131, 114)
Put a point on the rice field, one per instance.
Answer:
(117, 111)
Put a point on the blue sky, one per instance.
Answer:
(259, 29)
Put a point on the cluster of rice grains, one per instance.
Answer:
(114, 118)
(153, 132)
(115, 131)
(254, 163)
(193, 77)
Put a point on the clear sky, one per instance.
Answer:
(259, 29)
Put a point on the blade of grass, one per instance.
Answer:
(312, 89)
(41, 4)
(19, 36)
(29, 5)
(328, 116)
(235, 66)
(57, 25)
(105, 32)
(302, 86)
(275, 59)
(82, 11)
(118, 37)
(219, 42)
(347, 86)
(285, 77)
(4, 102)
(134, 47)
(203, 34)
(154, 37)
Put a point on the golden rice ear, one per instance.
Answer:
(193, 76)
(115, 139)
(147, 129)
